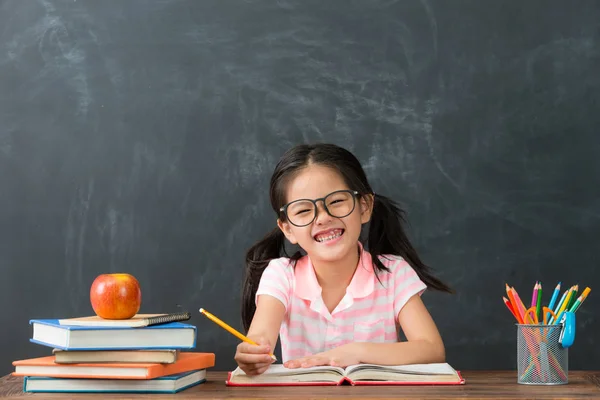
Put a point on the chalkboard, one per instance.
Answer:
(139, 137)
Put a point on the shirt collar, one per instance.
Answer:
(362, 284)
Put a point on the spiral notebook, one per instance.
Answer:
(137, 321)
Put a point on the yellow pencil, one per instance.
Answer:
(231, 330)
(567, 299)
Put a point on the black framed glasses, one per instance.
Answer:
(338, 204)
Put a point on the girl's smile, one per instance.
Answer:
(329, 236)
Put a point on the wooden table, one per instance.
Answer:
(479, 384)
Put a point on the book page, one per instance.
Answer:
(417, 369)
(277, 373)
(280, 370)
(440, 372)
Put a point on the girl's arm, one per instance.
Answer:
(255, 359)
(267, 320)
(424, 343)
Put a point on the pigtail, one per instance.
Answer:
(387, 236)
(257, 258)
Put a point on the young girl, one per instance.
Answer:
(341, 303)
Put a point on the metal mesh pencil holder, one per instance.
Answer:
(541, 358)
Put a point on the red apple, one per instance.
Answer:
(116, 296)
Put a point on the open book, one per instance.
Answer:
(361, 374)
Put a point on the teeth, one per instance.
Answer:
(330, 237)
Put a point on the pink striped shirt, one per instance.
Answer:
(367, 313)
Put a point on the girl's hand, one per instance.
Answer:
(342, 356)
(252, 359)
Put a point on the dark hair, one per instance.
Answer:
(386, 234)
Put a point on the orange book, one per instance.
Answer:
(45, 366)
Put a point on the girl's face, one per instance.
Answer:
(327, 238)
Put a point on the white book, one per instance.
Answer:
(114, 356)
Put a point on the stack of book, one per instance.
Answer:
(89, 354)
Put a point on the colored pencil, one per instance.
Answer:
(511, 295)
(553, 300)
(534, 295)
(580, 300)
(538, 304)
(559, 305)
(567, 299)
(510, 308)
(522, 308)
(573, 297)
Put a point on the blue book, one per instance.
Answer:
(166, 384)
(173, 335)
